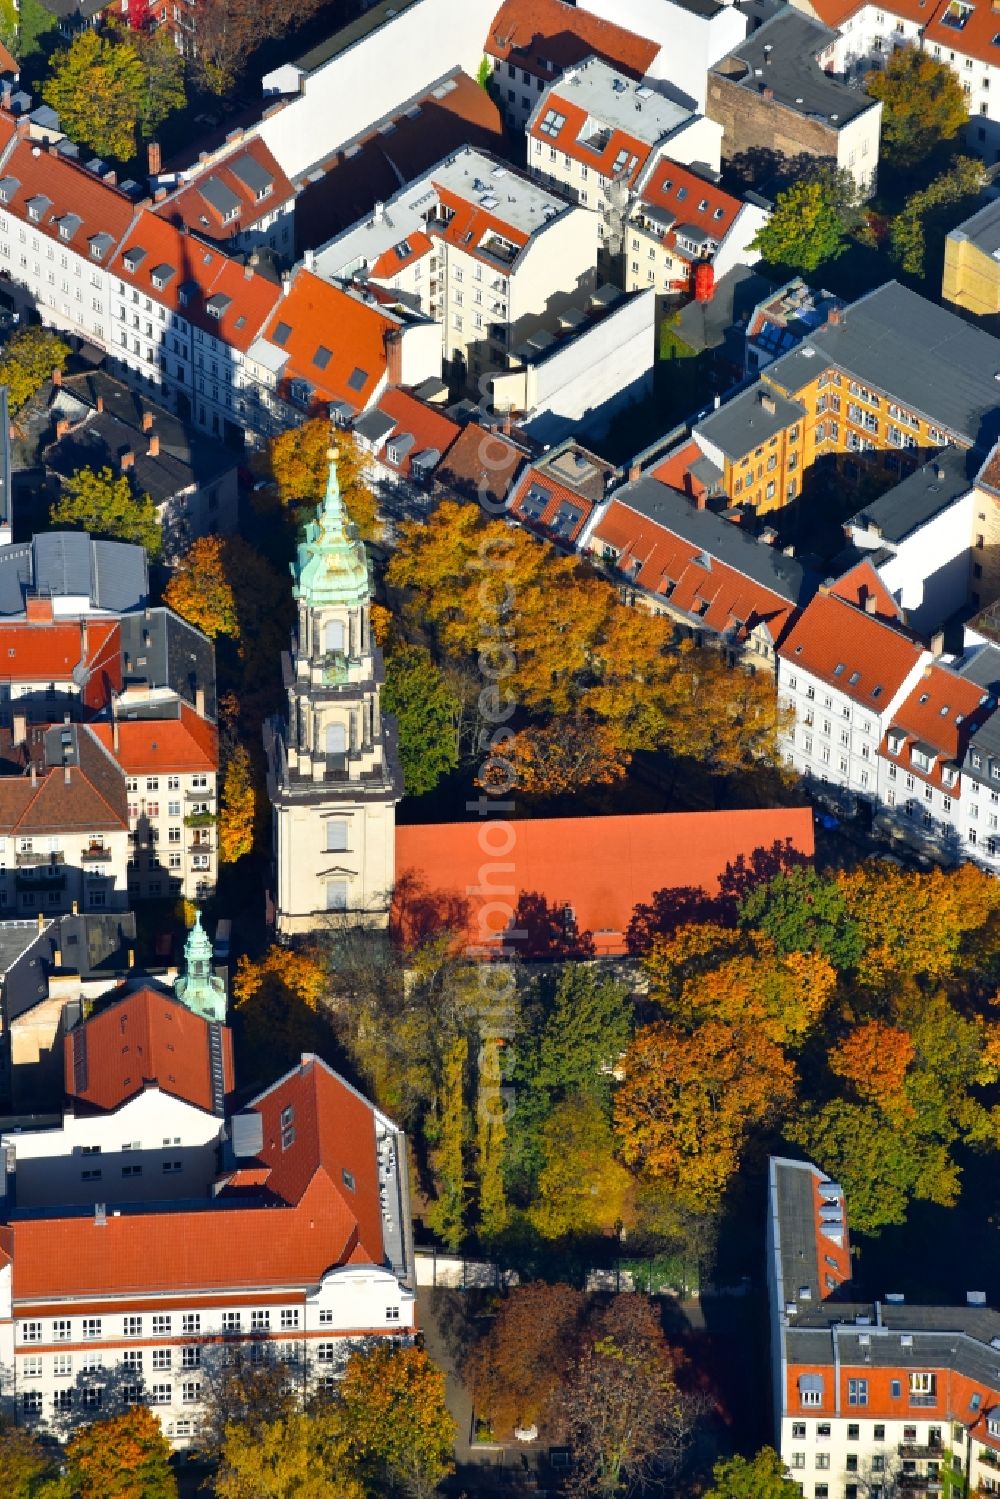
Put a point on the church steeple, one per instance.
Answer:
(331, 568)
(198, 987)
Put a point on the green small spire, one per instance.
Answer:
(198, 988)
(331, 567)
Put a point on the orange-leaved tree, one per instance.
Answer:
(123, 1457)
(874, 1058)
(300, 970)
(239, 806)
(300, 464)
(200, 590)
(517, 1369)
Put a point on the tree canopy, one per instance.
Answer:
(922, 105)
(426, 711)
(122, 1457)
(300, 465)
(239, 806)
(97, 86)
(28, 360)
(808, 225)
(105, 504)
(760, 1477)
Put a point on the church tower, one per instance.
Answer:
(198, 987)
(333, 773)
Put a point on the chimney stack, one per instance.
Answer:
(871, 604)
(114, 730)
(634, 472)
(100, 404)
(154, 445)
(199, 701)
(57, 376)
(34, 776)
(834, 317)
(147, 421)
(127, 459)
(75, 908)
(768, 93)
(131, 957)
(767, 404)
(20, 728)
(111, 178)
(159, 195)
(154, 159)
(41, 922)
(937, 644)
(62, 427)
(66, 775)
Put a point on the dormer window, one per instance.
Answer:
(921, 759)
(894, 743)
(811, 1389)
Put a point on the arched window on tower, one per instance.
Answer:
(336, 746)
(333, 637)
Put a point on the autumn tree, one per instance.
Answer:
(517, 1369)
(239, 806)
(239, 1395)
(391, 1411)
(417, 695)
(447, 1132)
(123, 1457)
(581, 1188)
(688, 1099)
(163, 91)
(280, 1011)
(97, 87)
(299, 970)
(296, 1455)
(28, 360)
(563, 755)
(808, 225)
(620, 1401)
(200, 591)
(919, 229)
(878, 1164)
(491, 1137)
(873, 1058)
(226, 32)
(922, 105)
(761, 1477)
(27, 1471)
(105, 504)
(300, 466)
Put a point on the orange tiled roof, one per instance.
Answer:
(675, 470)
(940, 713)
(481, 463)
(190, 206)
(8, 62)
(602, 163)
(323, 319)
(145, 1037)
(391, 261)
(77, 798)
(43, 650)
(720, 597)
(600, 867)
(429, 428)
(691, 200)
(541, 486)
(150, 745)
(198, 274)
(57, 188)
(861, 585)
(532, 33)
(861, 655)
(469, 224)
(975, 38)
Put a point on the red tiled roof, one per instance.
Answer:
(313, 1220)
(469, 224)
(429, 428)
(675, 470)
(69, 189)
(481, 464)
(671, 567)
(204, 273)
(567, 139)
(46, 651)
(874, 658)
(8, 62)
(862, 587)
(691, 200)
(145, 1037)
(532, 33)
(189, 205)
(77, 798)
(600, 867)
(392, 261)
(556, 495)
(324, 318)
(973, 39)
(148, 745)
(940, 714)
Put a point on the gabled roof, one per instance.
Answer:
(557, 495)
(591, 114)
(636, 857)
(317, 317)
(146, 1037)
(149, 745)
(432, 432)
(545, 36)
(248, 182)
(685, 199)
(862, 587)
(184, 274)
(939, 715)
(64, 194)
(83, 792)
(44, 650)
(974, 37)
(481, 464)
(861, 655)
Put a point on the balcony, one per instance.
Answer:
(205, 794)
(989, 1458)
(95, 854)
(26, 856)
(932, 1450)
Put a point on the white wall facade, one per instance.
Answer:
(169, 854)
(689, 44)
(72, 291)
(928, 573)
(368, 81)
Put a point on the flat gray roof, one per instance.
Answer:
(922, 495)
(926, 358)
(782, 56)
(749, 419)
(982, 229)
(614, 99)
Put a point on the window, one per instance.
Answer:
(325, 1316)
(922, 1388)
(62, 1400)
(132, 1358)
(798, 1431)
(857, 1394)
(161, 1394)
(161, 1358)
(191, 1391)
(31, 1402)
(336, 835)
(811, 1389)
(31, 1332)
(823, 1460)
(61, 1330)
(131, 1394)
(191, 1322)
(231, 1322)
(31, 1367)
(878, 1434)
(895, 1389)
(289, 1319)
(191, 1358)
(260, 1321)
(161, 1326)
(392, 1314)
(133, 1327)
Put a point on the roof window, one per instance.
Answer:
(854, 678)
(281, 334)
(718, 213)
(876, 692)
(404, 249)
(924, 698)
(682, 193)
(132, 259)
(322, 357)
(703, 205)
(552, 123)
(838, 669)
(358, 379)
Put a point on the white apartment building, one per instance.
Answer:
(691, 36)
(297, 1244)
(870, 1398)
(679, 220)
(488, 254)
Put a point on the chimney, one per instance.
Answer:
(154, 159)
(57, 376)
(788, 551)
(634, 472)
(309, 259)
(131, 957)
(834, 317)
(41, 922)
(57, 957)
(34, 776)
(767, 404)
(701, 499)
(154, 445)
(38, 610)
(20, 728)
(66, 775)
(199, 701)
(100, 404)
(248, 271)
(114, 732)
(75, 908)
(159, 194)
(111, 178)
(100, 1215)
(147, 421)
(127, 459)
(394, 357)
(286, 285)
(768, 93)
(23, 127)
(871, 603)
(62, 427)
(937, 643)
(379, 213)
(83, 638)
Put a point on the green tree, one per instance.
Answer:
(395, 1423)
(760, 1477)
(920, 229)
(163, 90)
(922, 105)
(878, 1164)
(426, 712)
(446, 1213)
(484, 73)
(581, 1188)
(297, 1455)
(106, 505)
(587, 1029)
(491, 1135)
(809, 224)
(804, 911)
(35, 23)
(97, 87)
(27, 1471)
(8, 26)
(28, 361)
(124, 1457)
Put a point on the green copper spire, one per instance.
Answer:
(199, 988)
(331, 567)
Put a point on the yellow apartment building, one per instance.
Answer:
(972, 263)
